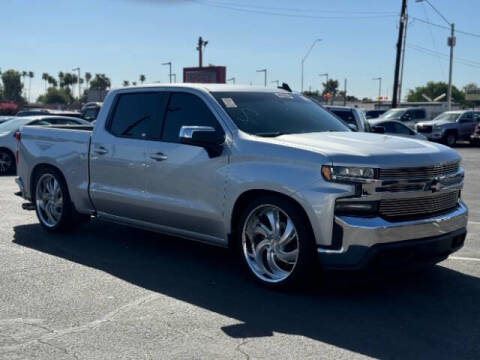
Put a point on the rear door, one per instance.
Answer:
(117, 155)
(466, 124)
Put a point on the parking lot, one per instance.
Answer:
(109, 291)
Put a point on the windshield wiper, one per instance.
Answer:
(270, 134)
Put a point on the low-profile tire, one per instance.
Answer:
(275, 243)
(7, 162)
(450, 139)
(53, 206)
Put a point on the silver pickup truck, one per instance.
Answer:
(265, 171)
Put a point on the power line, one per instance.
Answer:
(284, 14)
(445, 27)
(430, 52)
(433, 40)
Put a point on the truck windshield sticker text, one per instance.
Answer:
(229, 103)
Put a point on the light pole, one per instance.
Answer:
(326, 78)
(451, 41)
(232, 79)
(276, 82)
(306, 55)
(379, 86)
(78, 69)
(170, 70)
(265, 76)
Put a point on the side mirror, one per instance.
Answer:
(353, 127)
(378, 129)
(203, 136)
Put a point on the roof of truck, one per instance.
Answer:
(209, 87)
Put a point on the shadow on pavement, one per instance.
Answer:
(433, 315)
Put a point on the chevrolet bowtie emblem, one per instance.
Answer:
(436, 187)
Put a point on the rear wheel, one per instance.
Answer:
(275, 242)
(7, 162)
(450, 139)
(52, 202)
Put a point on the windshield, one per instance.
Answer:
(274, 114)
(393, 114)
(451, 117)
(13, 124)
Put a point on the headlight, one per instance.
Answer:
(347, 174)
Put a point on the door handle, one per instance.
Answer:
(100, 150)
(159, 156)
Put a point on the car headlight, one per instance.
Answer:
(348, 174)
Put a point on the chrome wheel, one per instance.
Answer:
(5, 162)
(270, 243)
(49, 200)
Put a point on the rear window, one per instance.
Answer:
(345, 115)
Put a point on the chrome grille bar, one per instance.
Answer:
(420, 172)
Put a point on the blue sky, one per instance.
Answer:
(125, 38)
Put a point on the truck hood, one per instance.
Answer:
(373, 150)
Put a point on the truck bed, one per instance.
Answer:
(64, 147)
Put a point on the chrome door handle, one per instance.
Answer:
(100, 150)
(159, 156)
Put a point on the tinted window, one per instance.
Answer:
(476, 116)
(467, 117)
(186, 109)
(138, 116)
(273, 114)
(345, 115)
(417, 114)
(402, 129)
(389, 127)
(91, 114)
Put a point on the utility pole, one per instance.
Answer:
(78, 69)
(403, 61)
(306, 55)
(276, 82)
(345, 93)
(200, 46)
(232, 79)
(170, 70)
(400, 46)
(379, 87)
(265, 76)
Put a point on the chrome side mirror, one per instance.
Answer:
(203, 136)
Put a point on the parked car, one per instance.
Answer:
(394, 127)
(6, 118)
(90, 110)
(34, 112)
(8, 144)
(265, 171)
(475, 137)
(450, 126)
(353, 117)
(373, 114)
(408, 116)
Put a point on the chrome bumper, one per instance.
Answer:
(366, 232)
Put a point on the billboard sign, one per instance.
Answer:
(210, 75)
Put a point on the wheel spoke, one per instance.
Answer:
(277, 272)
(288, 234)
(287, 257)
(273, 217)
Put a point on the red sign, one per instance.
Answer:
(207, 74)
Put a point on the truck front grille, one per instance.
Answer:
(406, 209)
(424, 128)
(419, 172)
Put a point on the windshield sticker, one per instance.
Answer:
(229, 103)
(284, 95)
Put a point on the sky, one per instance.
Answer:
(126, 38)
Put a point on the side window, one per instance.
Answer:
(138, 116)
(186, 110)
(418, 114)
(476, 116)
(401, 129)
(467, 117)
(389, 127)
(407, 116)
(346, 116)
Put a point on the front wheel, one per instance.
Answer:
(275, 242)
(52, 201)
(450, 139)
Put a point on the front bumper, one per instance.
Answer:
(362, 239)
(433, 136)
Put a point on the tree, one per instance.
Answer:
(52, 81)
(30, 76)
(142, 78)
(434, 89)
(61, 76)
(88, 77)
(12, 86)
(126, 83)
(100, 82)
(45, 78)
(134, 83)
(56, 96)
(331, 87)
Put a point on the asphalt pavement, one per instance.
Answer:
(112, 292)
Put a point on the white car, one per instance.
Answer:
(394, 127)
(6, 118)
(8, 143)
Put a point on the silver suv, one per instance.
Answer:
(450, 126)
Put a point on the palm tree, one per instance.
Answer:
(61, 76)
(30, 75)
(24, 75)
(126, 83)
(45, 78)
(51, 80)
(142, 78)
(88, 77)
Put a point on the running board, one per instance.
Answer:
(28, 206)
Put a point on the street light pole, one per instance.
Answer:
(306, 55)
(265, 76)
(276, 82)
(232, 79)
(379, 87)
(170, 70)
(174, 78)
(78, 69)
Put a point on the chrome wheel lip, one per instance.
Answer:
(271, 246)
(49, 200)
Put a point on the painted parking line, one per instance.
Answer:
(463, 258)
